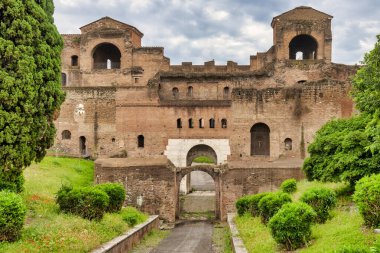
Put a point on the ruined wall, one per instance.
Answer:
(150, 181)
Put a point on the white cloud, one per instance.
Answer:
(216, 15)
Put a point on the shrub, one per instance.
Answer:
(322, 200)
(289, 185)
(116, 194)
(291, 225)
(271, 203)
(132, 216)
(249, 204)
(242, 206)
(367, 198)
(87, 202)
(12, 216)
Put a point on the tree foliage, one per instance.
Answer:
(30, 92)
(349, 149)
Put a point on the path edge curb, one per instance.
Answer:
(236, 241)
(125, 242)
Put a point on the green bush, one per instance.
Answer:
(271, 203)
(291, 225)
(116, 194)
(242, 206)
(13, 184)
(367, 198)
(12, 216)
(289, 185)
(132, 216)
(87, 202)
(322, 200)
(249, 204)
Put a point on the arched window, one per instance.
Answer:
(66, 135)
(190, 91)
(64, 79)
(288, 144)
(224, 123)
(226, 92)
(140, 141)
(179, 123)
(303, 47)
(212, 123)
(201, 123)
(191, 123)
(106, 56)
(260, 139)
(175, 92)
(74, 60)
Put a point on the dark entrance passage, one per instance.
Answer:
(260, 139)
(303, 47)
(82, 145)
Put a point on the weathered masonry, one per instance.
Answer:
(255, 121)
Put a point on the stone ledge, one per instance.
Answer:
(237, 243)
(125, 242)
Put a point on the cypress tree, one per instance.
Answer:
(30, 92)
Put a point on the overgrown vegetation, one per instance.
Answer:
(322, 200)
(203, 159)
(48, 230)
(367, 198)
(291, 225)
(30, 88)
(271, 203)
(344, 230)
(349, 149)
(289, 185)
(12, 216)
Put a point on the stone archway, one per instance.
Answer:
(200, 150)
(211, 170)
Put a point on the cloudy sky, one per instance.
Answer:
(202, 30)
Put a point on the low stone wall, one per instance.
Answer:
(236, 241)
(125, 243)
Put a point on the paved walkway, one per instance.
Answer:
(189, 237)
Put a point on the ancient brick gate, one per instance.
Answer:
(213, 171)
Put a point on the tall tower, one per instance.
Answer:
(302, 33)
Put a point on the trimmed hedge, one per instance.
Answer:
(116, 194)
(291, 225)
(367, 198)
(322, 200)
(87, 202)
(12, 216)
(289, 185)
(249, 204)
(271, 203)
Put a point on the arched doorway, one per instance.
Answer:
(260, 141)
(106, 56)
(82, 146)
(199, 204)
(303, 47)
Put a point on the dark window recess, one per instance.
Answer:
(106, 56)
(191, 123)
(74, 60)
(224, 123)
(190, 91)
(140, 141)
(303, 47)
(201, 123)
(226, 92)
(260, 139)
(212, 123)
(82, 145)
(63, 79)
(175, 92)
(66, 135)
(179, 123)
(288, 144)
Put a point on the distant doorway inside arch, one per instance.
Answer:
(82, 146)
(199, 202)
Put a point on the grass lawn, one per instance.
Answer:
(47, 230)
(345, 229)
